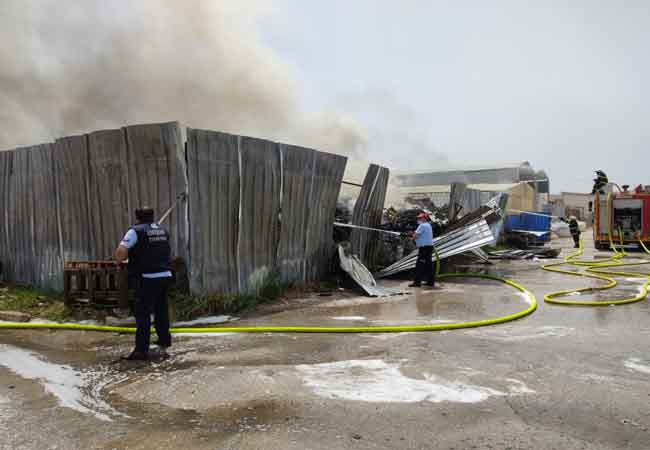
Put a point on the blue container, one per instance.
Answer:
(513, 222)
(530, 222)
(535, 222)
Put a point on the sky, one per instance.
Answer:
(413, 85)
(562, 84)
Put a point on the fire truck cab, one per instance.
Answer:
(628, 211)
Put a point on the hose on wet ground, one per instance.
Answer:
(530, 298)
(600, 270)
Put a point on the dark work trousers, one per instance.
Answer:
(152, 298)
(576, 239)
(424, 266)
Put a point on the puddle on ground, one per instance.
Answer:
(73, 388)
(379, 381)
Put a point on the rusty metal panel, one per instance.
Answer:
(368, 210)
(107, 191)
(213, 173)
(327, 175)
(156, 176)
(259, 229)
(47, 263)
(71, 168)
(297, 178)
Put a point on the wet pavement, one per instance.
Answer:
(562, 378)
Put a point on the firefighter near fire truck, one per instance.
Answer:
(621, 215)
(574, 229)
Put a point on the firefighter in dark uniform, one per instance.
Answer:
(146, 245)
(574, 228)
(600, 182)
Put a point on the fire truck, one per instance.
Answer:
(626, 214)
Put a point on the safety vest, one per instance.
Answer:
(152, 252)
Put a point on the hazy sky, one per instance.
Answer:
(561, 84)
(408, 84)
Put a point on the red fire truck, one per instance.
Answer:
(628, 211)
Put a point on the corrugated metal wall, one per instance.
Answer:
(258, 207)
(368, 210)
(6, 159)
(73, 200)
(213, 173)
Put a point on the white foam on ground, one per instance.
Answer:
(348, 318)
(526, 297)
(412, 322)
(205, 334)
(386, 336)
(209, 320)
(521, 333)
(635, 364)
(379, 381)
(67, 384)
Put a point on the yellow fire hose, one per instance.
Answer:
(598, 269)
(299, 329)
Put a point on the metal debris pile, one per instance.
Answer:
(471, 232)
(541, 253)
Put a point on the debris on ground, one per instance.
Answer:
(542, 253)
(352, 265)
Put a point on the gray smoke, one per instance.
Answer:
(80, 65)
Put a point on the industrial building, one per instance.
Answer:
(528, 189)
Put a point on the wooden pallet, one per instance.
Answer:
(100, 284)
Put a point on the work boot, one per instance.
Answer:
(415, 285)
(136, 356)
(161, 352)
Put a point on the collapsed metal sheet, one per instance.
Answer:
(213, 172)
(368, 211)
(469, 237)
(353, 266)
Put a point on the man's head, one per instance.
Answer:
(144, 214)
(423, 217)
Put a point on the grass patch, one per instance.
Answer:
(43, 304)
(37, 303)
(185, 306)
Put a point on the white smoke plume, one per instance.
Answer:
(80, 65)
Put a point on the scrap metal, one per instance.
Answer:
(353, 266)
(469, 237)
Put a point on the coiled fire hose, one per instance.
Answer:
(598, 269)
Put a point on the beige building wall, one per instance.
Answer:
(577, 204)
(521, 197)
